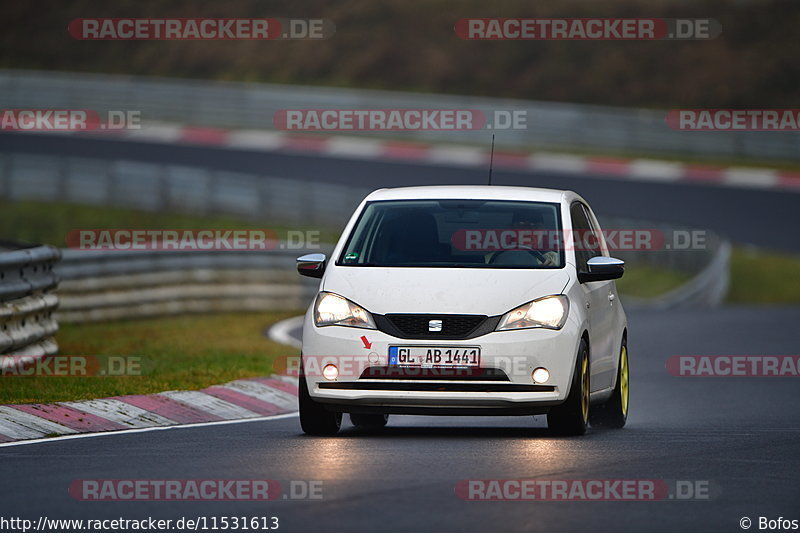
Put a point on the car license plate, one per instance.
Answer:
(430, 356)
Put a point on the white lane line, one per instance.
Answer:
(27, 423)
(210, 404)
(349, 147)
(145, 430)
(255, 139)
(279, 332)
(343, 146)
(159, 132)
(751, 177)
(457, 155)
(265, 393)
(558, 163)
(121, 412)
(651, 169)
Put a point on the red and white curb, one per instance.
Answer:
(352, 147)
(281, 331)
(243, 399)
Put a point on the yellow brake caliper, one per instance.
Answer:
(623, 379)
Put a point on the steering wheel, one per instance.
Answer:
(535, 253)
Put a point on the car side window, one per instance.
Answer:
(584, 238)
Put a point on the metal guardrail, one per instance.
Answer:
(157, 187)
(687, 259)
(113, 285)
(706, 289)
(249, 105)
(193, 281)
(27, 279)
(708, 267)
(26, 270)
(108, 285)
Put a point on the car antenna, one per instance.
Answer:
(491, 160)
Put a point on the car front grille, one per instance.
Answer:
(454, 327)
(433, 386)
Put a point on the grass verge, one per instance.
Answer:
(178, 353)
(50, 222)
(764, 277)
(645, 281)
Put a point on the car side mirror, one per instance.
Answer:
(602, 268)
(312, 265)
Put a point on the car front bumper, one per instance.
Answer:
(516, 353)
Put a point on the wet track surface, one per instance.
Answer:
(741, 435)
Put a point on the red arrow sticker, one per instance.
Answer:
(367, 344)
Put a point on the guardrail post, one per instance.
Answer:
(27, 324)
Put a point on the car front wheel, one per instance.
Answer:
(572, 417)
(614, 412)
(314, 418)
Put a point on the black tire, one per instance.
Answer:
(613, 413)
(314, 418)
(571, 418)
(368, 421)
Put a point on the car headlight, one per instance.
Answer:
(333, 310)
(548, 312)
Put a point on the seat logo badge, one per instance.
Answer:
(435, 325)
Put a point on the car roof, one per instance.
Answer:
(483, 192)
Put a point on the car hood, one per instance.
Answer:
(442, 290)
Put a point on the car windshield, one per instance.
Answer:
(456, 233)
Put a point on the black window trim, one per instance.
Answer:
(587, 213)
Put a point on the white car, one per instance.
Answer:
(473, 300)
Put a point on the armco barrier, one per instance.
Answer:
(107, 285)
(190, 281)
(248, 105)
(111, 285)
(706, 289)
(160, 187)
(27, 303)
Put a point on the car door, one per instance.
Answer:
(588, 243)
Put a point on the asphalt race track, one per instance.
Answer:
(737, 435)
(762, 217)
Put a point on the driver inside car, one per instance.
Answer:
(531, 244)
